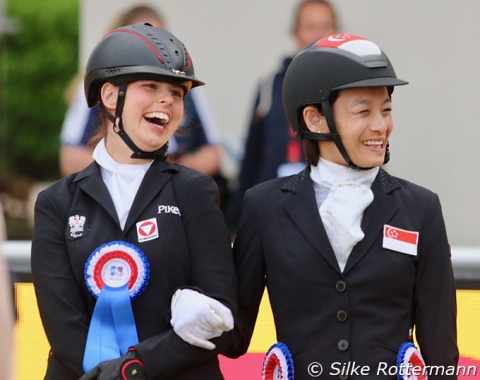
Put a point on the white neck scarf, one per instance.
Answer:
(342, 210)
(122, 180)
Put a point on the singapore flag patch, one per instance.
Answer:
(399, 240)
(147, 230)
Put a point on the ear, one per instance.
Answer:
(314, 120)
(109, 94)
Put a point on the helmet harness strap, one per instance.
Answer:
(327, 110)
(335, 137)
(160, 154)
(332, 136)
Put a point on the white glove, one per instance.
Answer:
(197, 318)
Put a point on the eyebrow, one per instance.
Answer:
(363, 101)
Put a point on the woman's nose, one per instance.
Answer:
(165, 96)
(380, 123)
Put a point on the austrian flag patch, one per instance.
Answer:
(147, 230)
(399, 240)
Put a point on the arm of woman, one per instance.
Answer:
(61, 305)
(435, 298)
(212, 271)
(250, 268)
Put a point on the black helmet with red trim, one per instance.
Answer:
(137, 52)
(132, 53)
(333, 63)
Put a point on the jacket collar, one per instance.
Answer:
(303, 210)
(299, 180)
(91, 182)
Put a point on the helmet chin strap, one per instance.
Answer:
(327, 111)
(335, 137)
(160, 154)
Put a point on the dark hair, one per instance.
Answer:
(100, 130)
(311, 151)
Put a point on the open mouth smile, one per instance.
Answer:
(158, 118)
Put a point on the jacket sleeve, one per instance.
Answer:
(212, 271)
(250, 269)
(61, 305)
(435, 299)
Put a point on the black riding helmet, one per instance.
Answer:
(318, 72)
(131, 53)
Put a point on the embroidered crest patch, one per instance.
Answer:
(78, 226)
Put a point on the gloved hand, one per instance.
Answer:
(126, 367)
(197, 318)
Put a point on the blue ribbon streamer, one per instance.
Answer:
(112, 328)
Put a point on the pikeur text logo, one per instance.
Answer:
(164, 209)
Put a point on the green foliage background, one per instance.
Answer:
(38, 64)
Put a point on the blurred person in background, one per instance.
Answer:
(196, 144)
(271, 150)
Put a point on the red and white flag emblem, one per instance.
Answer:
(400, 240)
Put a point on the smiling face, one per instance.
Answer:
(363, 118)
(152, 113)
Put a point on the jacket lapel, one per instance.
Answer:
(155, 178)
(91, 182)
(380, 211)
(302, 208)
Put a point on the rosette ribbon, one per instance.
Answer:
(115, 273)
(410, 363)
(278, 363)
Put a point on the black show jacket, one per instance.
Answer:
(193, 249)
(363, 315)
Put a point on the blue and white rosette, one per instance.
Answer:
(278, 363)
(410, 363)
(115, 273)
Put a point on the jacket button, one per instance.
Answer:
(342, 345)
(341, 286)
(342, 315)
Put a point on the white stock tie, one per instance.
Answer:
(342, 210)
(122, 180)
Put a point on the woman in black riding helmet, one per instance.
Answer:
(131, 259)
(353, 258)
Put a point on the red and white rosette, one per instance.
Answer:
(115, 264)
(410, 363)
(278, 363)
